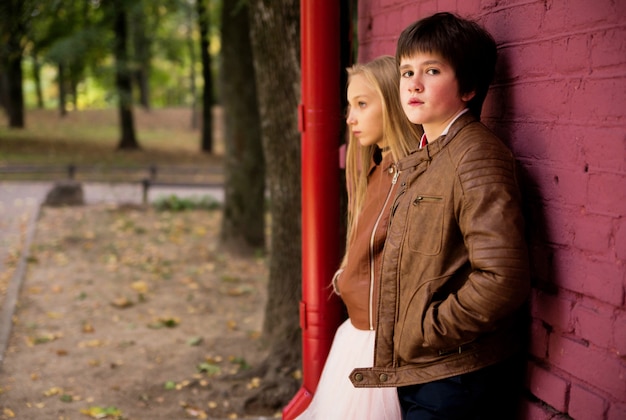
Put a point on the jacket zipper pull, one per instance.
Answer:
(395, 177)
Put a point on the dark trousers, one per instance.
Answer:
(488, 394)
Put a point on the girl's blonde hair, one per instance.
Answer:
(399, 134)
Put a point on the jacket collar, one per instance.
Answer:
(426, 153)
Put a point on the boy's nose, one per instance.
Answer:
(415, 85)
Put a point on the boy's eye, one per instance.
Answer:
(432, 71)
(407, 73)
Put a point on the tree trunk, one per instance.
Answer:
(123, 78)
(14, 88)
(192, 68)
(275, 36)
(14, 15)
(61, 81)
(142, 54)
(37, 79)
(243, 223)
(207, 93)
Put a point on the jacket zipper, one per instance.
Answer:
(371, 248)
(422, 198)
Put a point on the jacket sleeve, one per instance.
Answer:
(489, 214)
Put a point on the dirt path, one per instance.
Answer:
(128, 313)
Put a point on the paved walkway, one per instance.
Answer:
(19, 209)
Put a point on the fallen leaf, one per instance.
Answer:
(91, 343)
(87, 327)
(254, 383)
(194, 341)
(209, 368)
(140, 286)
(122, 302)
(165, 322)
(55, 390)
(102, 412)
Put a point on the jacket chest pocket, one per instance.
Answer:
(425, 218)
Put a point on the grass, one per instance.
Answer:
(88, 139)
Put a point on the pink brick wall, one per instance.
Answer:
(559, 101)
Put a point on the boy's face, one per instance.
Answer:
(429, 92)
(365, 112)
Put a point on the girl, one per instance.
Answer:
(380, 134)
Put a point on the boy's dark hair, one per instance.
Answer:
(470, 50)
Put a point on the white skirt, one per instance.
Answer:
(336, 398)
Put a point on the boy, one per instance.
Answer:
(455, 267)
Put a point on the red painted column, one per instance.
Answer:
(320, 124)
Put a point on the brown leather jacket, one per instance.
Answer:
(358, 283)
(455, 266)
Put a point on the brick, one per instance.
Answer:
(585, 405)
(605, 281)
(558, 228)
(506, 27)
(595, 99)
(527, 61)
(607, 193)
(620, 239)
(553, 104)
(570, 55)
(608, 49)
(619, 334)
(594, 324)
(541, 257)
(560, 136)
(538, 346)
(567, 185)
(598, 368)
(531, 410)
(468, 8)
(604, 147)
(554, 18)
(617, 411)
(570, 269)
(553, 310)
(584, 13)
(548, 387)
(590, 276)
(592, 232)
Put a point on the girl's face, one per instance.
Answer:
(429, 92)
(365, 112)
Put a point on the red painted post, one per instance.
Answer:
(320, 121)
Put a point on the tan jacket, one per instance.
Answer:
(455, 266)
(358, 283)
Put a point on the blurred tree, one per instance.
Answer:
(15, 17)
(243, 221)
(275, 36)
(123, 80)
(71, 36)
(191, 45)
(206, 143)
(142, 45)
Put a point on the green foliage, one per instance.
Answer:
(163, 41)
(175, 203)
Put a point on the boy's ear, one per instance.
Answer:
(466, 97)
